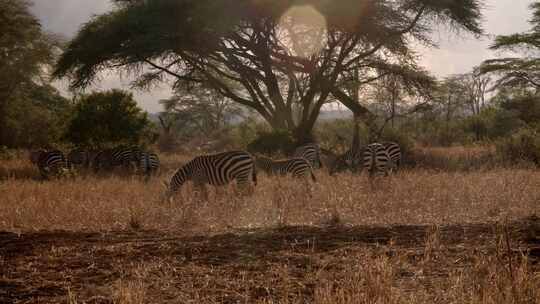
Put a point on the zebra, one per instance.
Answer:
(215, 169)
(394, 151)
(297, 167)
(148, 163)
(351, 159)
(125, 156)
(80, 157)
(119, 156)
(311, 152)
(377, 160)
(49, 162)
(35, 155)
(103, 160)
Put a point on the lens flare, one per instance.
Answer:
(303, 30)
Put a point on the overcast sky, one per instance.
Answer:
(455, 54)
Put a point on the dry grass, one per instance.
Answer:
(422, 236)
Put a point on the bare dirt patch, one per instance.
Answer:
(293, 264)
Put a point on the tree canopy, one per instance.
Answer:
(518, 71)
(24, 52)
(272, 56)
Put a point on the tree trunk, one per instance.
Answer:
(4, 137)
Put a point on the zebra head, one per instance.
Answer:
(36, 155)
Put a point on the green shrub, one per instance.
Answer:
(337, 134)
(273, 142)
(7, 154)
(524, 145)
(403, 139)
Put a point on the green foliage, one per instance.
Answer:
(247, 131)
(37, 117)
(25, 52)
(515, 71)
(274, 142)
(7, 154)
(521, 146)
(107, 118)
(338, 134)
(405, 142)
(526, 107)
(242, 41)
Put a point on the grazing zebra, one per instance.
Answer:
(125, 156)
(35, 155)
(311, 152)
(79, 157)
(148, 163)
(119, 156)
(377, 160)
(394, 151)
(297, 167)
(351, 159)
(103, 160)
(215, 169)
(49, 162)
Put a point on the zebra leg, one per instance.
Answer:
(243, 186)
(201, 191)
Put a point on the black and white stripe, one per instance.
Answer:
(125, 156)
(108, 159)
(377, 160)
(50, 162)
(216, 169)
(311, 152)
(297, 167)
(394, 151)
(148, 163)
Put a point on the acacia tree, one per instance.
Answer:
(24, 52)
(518, 71)
(264, 49)
(476, 86)
(199, 109)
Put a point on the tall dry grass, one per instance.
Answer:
(113, 202)
(443, 266)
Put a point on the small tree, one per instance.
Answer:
(104, 118)
(200, 110)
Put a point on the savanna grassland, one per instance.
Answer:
(445, 231)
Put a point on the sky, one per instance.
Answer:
(454, 55)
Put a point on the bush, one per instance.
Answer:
(246, 132)
(110, 117)
(404, 141)
(522, 146)
(337, 134)
(6, 153)
(273, 142)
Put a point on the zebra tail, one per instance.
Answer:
(254, 175)
(313, 176)
(373, 164)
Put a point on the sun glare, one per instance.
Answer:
(304, 30)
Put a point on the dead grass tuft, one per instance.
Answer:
(420, 236)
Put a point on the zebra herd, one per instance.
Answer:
(223, 168)
(377, 158)
(55, 162)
